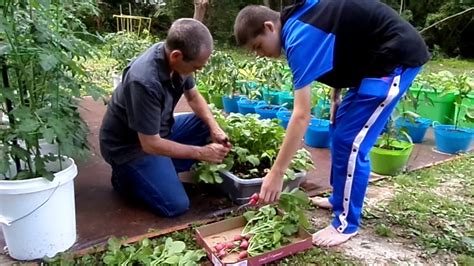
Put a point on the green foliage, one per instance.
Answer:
(151, 252)
(41, 45)
(256, 144)
(125, 46)
(219, 75)
(271, 226)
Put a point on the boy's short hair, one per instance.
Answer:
(189, 36)
(249, 22)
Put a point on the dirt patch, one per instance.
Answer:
(372, 249)
(451, 189)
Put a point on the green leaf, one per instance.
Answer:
(48, 62)
(253, 160)
(174, 259)
(174, 247)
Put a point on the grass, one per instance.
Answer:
(433, 209)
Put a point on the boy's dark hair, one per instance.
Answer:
(189, 36)
(249, 22)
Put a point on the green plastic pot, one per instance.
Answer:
(390, 162)
(204, 93)
(217, 101)
(438, 108)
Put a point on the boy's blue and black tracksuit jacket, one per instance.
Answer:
(363, 45)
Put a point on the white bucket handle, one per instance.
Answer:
(4, 220)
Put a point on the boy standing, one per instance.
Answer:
(362, 45)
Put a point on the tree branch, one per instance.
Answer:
(444, 19)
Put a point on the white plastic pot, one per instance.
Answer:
(38, 216)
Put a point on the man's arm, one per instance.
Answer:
(200, 108)
(154, 144)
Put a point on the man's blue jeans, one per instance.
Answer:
(153, 179)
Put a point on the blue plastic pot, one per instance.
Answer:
(284, 117)
(451, 140)
(268, 111)
(247, 106)
(272, 97)
(416, 129)
(230, 104)
(317, 134)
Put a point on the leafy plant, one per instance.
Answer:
(151, 252)
(256, 144)
(124, 46)
(40, 55)
(392, 134)
(219, 75)
(271, 226)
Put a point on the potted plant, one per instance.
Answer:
(390, 154)
(453, 138)
(410, 121)
(41, 60)
(255, 146)
(251, 78)
(435, 96)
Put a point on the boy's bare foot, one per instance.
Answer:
(321, 202)
(329, 237)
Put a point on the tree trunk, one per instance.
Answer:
(266, 3)
(200, 8)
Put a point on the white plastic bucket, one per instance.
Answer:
(38, 216)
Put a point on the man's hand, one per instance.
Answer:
(213, 153)
(333, 110)
(271, 188)
(218, 136)
(335, 101)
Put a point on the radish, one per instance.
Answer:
(253, 202)
(219, 247)
(237, 237)
(222, 253)
(243, 255)
(255, 197)
(229, 245)
(244, 244)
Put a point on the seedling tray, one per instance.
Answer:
(239, 190)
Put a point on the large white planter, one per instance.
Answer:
(38, 216)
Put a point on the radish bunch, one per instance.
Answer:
(238, 244)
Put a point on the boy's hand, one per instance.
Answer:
(271, 188)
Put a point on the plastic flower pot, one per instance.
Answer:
(416, 129)
(284, 117)
(268, 111)
(230, 103)
(390, 161)
(286, 100)
(247, 106)
(272, 97)
(38, 216)
(217, 101)
(437, 107)
(449, 139)
(317, 134)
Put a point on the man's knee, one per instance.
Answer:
(173, 207)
